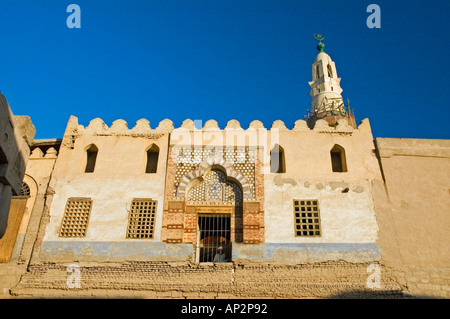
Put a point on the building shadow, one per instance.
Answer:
(379, 294)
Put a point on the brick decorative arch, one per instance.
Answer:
(207, 165)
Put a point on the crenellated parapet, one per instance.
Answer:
(120, 127)
(37, 153)
(196, 132)
(143, 128)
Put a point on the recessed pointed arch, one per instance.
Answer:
(32, 186)
(330, 70)
(214, 187)
(188, 180)
(152, 159)
(338, 159)
(91, 158)
(277, 161)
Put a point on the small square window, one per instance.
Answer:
(309, 223)
(76, 217)
(141, 219)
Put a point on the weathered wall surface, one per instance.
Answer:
(308, 176)
(187, 280)
(118, 178)
(413, 212)
(395, 219)
(345, 198)
(37, 177)
(346, 206)
(17, 133)
(17, 208)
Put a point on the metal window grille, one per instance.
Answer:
(25, 190)
(214, 232)
(76, 217)
(141, 222)
(307, 218)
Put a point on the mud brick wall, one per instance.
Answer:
(188, 280)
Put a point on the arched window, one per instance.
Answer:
(330, 71)
(277, 164)
(25, 190)
(338, 162)
(152, 159)
(91, 158)
(317, 71)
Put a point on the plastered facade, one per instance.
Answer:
(119, 177)
(263, 200)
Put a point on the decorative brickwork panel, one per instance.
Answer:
(190, 236)
(189, 163)
(251, 207)
(76, 217)
(174, 235)
(190, 210)
(253, 235)
(194, 186)
(259, 177)
(173, 218)
(173, 222)
(141, 221)
(190, 222)
(176, 205)
(253, 223)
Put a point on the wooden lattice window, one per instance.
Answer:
(307, 218)
(141, 221)
(76, 217)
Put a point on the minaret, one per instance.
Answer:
(327, 102)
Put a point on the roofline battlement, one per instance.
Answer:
(142, 127)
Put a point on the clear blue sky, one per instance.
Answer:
(222, 60)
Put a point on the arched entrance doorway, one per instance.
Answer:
(215, 205)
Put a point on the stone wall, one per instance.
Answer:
(17, 133)
(413, 213)
(211, 281)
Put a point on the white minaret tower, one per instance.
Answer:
(327, 102)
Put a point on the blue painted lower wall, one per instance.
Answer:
(302, 253)
(288, 253)
(105, 251)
